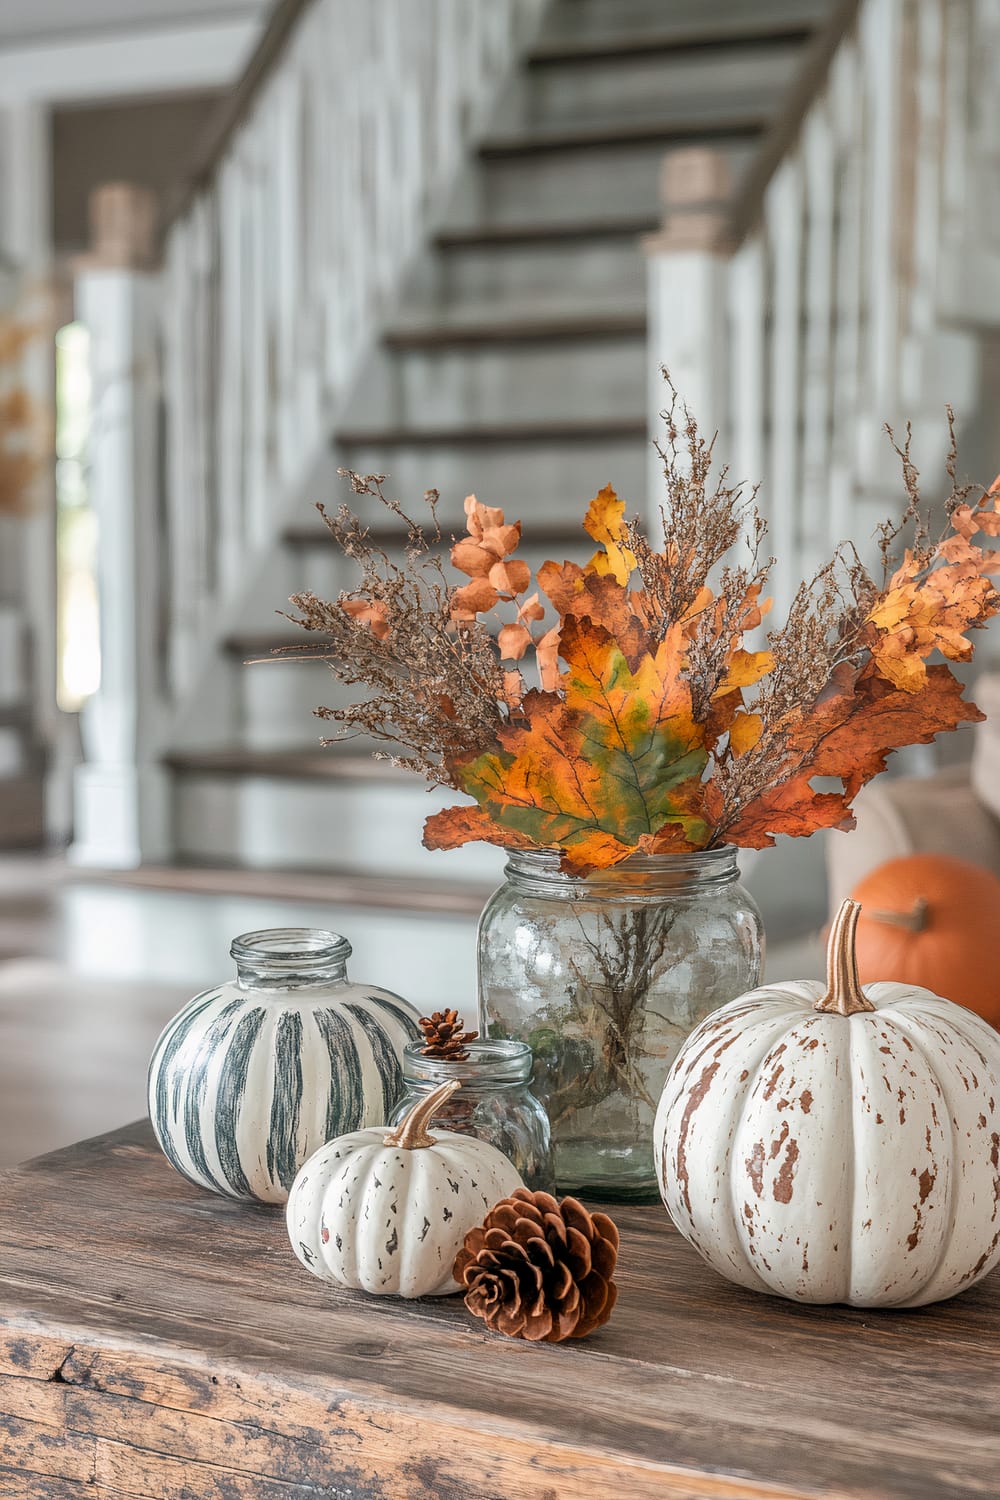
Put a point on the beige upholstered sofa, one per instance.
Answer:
(954, 811)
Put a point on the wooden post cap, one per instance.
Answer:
(695, 190)
(122, 226)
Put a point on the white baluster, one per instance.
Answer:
(784, 216)
(687, 269)
(817, 363)
(850, 132)
(747, 317)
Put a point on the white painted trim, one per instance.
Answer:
(151, 60)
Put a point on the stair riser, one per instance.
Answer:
(582, 379)
(549, 482)
(278, 700)
(563, 186)
(618, 88)
(324, 570)
(612, 271)
(370, 827)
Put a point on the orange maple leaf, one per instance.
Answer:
(454, 826)
(856, 722)
(609, 763)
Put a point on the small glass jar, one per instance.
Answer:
(495, 1102)
(604, 976)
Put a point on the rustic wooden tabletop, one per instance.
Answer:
(156, 1341)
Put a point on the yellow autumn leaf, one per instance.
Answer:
(744, 669)
(744, 732)
(605, 522)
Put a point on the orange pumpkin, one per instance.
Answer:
(931, 920)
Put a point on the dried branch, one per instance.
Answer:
(435, 686)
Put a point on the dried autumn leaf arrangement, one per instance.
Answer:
(631, 713)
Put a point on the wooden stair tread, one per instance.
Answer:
(613, 429)
(332, 887)
(503, 236)
(330, 763)
(736, 125)
(517, 330)
(256, 645)
(691, 36)
(538, 534)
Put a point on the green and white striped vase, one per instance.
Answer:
(252, 1077)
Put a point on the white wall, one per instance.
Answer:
(37, 71)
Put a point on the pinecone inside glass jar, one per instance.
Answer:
(444, 1036)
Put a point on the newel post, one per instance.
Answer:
(121, 808)
(687, 275)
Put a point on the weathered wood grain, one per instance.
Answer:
(158, 1341)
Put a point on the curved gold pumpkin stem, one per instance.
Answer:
(844, 995)
(411, 1132)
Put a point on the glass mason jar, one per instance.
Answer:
(495, 1103)
(604, 977)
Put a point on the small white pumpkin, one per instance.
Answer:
(387, 1212)
(837, 1144)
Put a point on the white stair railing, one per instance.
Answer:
(849, 282)
(343, 143)
(284, 263)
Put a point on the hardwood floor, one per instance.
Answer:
(91, 968)
(73, 1046)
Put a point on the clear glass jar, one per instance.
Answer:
(604, 977)
(495, 1102)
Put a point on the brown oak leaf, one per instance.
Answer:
(856, 722)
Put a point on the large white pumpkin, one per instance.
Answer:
(387, 1211)
(834, 1144)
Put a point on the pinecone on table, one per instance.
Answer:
(444, 1036)
(539, 1269)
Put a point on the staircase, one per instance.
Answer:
(486, 314)
(515, 365)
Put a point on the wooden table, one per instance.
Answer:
(156, 1341)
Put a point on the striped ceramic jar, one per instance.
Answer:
(252, 1077)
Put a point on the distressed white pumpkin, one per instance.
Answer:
(387, 1211)
(837, 1145)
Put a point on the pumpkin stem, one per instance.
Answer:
(844, 995)
(411, 1132)
(914, 920)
